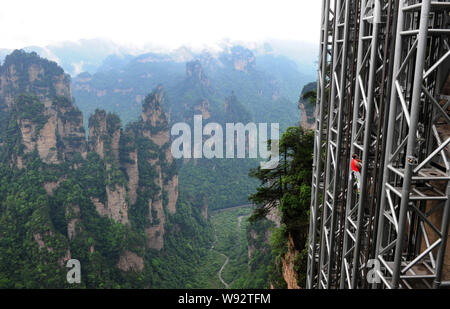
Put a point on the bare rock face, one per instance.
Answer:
(104, 134)
(307, 121)
(172, 193)
(97, 130)
(102, 210)
(70, 129)
(40, 94)
(133, 177)
(42, 131)
(240, 64)
(194, 70)
(63, 259)
(34, 71)
(115, 143)
(50, 187)
(160, 138)
(242, 59)
(156, 128)
(38, 129)
(152, 112)
(104, 139)
(28, 73)
(288, 262)
(73, 218)
(130, 261)
(46, 143)
(121, 154)
(28, 130)
(117, 206)
(63, 253)
(38, 238)
(155, 233)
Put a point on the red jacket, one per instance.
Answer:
(354, 165)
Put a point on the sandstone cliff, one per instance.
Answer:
(289, 264)
(39, 120)
(38, 96)
(104, 139)
(241, 58)
(141, 171)
(194, 70)
(307, 106)
(155, 127)
(134, 166)
(307, 118)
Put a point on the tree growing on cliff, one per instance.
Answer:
(288, 187)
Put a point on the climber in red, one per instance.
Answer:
(356, 170)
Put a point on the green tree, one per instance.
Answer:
(287, 187)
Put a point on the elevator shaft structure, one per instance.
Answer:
(383, 93)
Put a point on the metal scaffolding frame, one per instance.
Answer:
(340, 92)
(370, 76)
(404, 246)
(319, 142)
(389, 68)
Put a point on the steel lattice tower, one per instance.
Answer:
(383, 92)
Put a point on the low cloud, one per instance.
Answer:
(78, 67)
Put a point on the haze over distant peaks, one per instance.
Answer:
(91, 54)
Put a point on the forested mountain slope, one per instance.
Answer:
(112, 201)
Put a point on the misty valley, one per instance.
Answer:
(88, 172)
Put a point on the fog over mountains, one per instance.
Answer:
(87, 55)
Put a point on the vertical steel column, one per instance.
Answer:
(325, 229)
(344, 87)
(363, 108)
(391, 123)
(345, 248)
(388, 59)
(318, 146)
(411, 151)
(413, 172)
(441, 252)
(366, 143)
(353, 20)
(335, 132)
(406, 150)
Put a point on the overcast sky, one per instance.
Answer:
(168, 23)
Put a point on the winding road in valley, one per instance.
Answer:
(221, 269)
(227, 258)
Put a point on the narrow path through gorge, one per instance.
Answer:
(221, 269)
(227, 258)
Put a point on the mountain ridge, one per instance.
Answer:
(110, 201)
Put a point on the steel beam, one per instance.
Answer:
(404, 146)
